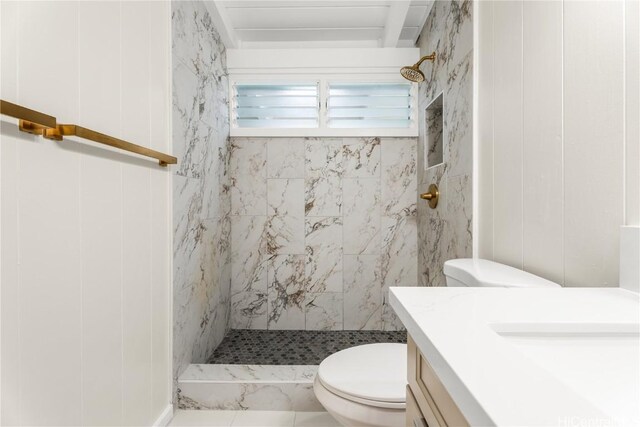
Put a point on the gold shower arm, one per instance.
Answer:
(431, 57)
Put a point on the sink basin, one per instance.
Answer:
(599, 361)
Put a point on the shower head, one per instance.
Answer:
(413, 73)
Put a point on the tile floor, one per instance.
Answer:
(262, 347)
(252, 418)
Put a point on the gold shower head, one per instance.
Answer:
(413, 73)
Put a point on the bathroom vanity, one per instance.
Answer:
(495, 356)
(428, 402)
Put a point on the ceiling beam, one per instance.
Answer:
(423, 21)
(223, 24)
(395, 21)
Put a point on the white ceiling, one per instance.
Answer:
(255, 24)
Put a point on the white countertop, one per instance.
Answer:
(566, 356)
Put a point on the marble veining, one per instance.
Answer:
(285, 157)
(324, 311)
(248, 171)
(249, 260)
(323, 271)
(323, 196)
(323, 157)
(399, 240)
(362, 292)
(390, 320)
(458, 118)
(286, 292)
(249, 310)
(201, 186)
(277, 396)
(362, 207)
(317, 230)
(445, 232)
(361, 158)
(459, 226)
(399, 178)
(433, 246)
(249, 372)
(398, 262)
(248, 387)
(285, 197)
(249, 253)
(285, 235)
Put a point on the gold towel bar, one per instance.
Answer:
(41, 124)
(75, 130)
(20, 112)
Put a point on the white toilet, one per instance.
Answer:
(484, 273)
(366, 385)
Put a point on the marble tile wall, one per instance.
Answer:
(201, 186)
(445, 232)
(320, 228)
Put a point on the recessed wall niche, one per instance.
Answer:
(433, 133)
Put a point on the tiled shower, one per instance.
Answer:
(276, 233)
(301, 234)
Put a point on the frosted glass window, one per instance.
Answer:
(276, 105)
(369, 105)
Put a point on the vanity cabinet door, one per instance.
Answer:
(429, 381)
(415, 417)
(430, 394)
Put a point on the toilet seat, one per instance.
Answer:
(371, 374)
(350, 413)
(368, 402)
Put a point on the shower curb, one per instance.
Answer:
(248, 387)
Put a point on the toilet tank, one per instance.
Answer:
(481, 272)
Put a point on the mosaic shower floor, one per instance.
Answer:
(260, 347)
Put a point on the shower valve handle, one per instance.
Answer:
(432, 196)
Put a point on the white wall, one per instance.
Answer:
(632, 111)
(554, 138)
(85, 235)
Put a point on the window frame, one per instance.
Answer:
(323, 130)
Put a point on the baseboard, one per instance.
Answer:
(165, 418)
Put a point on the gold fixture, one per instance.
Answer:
(20, 112)
(432, 196)
(413, 73)
(41, 124)
(74, 130)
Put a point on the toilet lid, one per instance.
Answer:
(371, 373)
